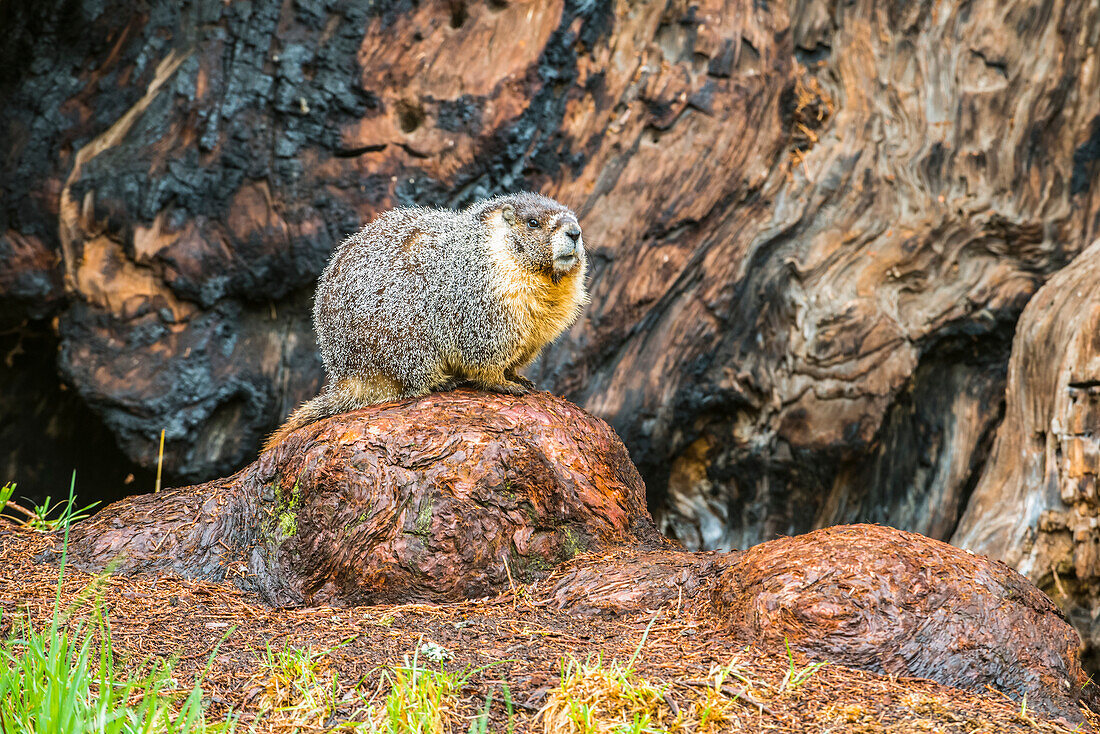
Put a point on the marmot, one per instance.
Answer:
(421, 299)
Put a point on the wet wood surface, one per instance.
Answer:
(863, 596)
(460, 495)
(448, 497)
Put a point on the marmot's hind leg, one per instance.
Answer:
(451, 382)
(490, 379)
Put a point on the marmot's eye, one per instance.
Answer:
(533, 223)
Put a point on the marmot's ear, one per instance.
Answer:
(509, 213)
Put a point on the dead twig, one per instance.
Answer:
(736, 694)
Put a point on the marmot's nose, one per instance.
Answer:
(573, 231)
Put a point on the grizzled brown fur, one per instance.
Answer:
(420, 299)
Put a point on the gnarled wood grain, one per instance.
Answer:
(1036, 506)
(804, 216)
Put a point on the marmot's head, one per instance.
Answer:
(542, 234)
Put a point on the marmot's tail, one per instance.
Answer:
(320, 407)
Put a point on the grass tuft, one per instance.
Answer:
(480, 723)
(60, 680)
(599, 698)
(46, 517)
(299, 689)
(795, 677)
(302, 693)
(65, 677)
(420, 701)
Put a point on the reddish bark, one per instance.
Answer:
(436, 499)
(863, 596)
(462, 494)
(886, 600)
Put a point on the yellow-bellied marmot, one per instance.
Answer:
(421, 298)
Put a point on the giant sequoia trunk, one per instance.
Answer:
(814, 224)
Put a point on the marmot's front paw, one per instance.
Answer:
(520, 379)
(509, 387)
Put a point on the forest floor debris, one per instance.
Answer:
(494, 665)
